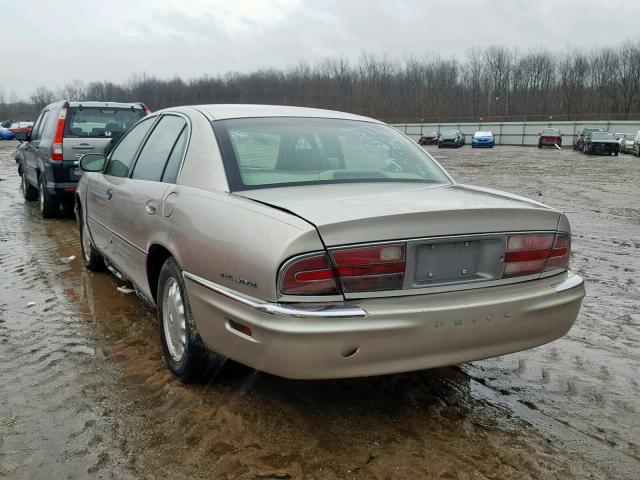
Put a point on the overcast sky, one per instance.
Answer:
(49, 43)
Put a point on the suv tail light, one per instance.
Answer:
(360, 269)
(56, 146)
(537, 253)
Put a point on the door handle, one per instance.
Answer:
(151, 207)
(109, 193)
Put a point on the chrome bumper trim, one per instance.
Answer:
(298, 310)
(573, 281)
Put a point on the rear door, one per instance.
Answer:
(100, 202)
(30, 150)
(140, 198)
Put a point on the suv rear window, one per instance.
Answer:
(99, 122)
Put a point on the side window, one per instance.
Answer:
(155, 153)
(47, 127)
(36, 126)
(123, 154)
(37, 131)
(170, 174)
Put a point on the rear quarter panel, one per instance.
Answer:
(233, 241)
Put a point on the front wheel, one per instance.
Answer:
(92, 259)
(184, 351)
(29, 192)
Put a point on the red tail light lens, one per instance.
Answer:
(312, 275)
(359, 269)
(56, 146)
(367, 269)
(560, 254)
(529, 254)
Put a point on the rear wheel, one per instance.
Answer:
(184, 351)
(29, 192)
(49, 205)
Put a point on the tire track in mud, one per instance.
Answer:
(48, 415)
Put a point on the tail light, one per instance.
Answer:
(367, 269)
(310, 275)
(56, 146)
(530, 254)
(360, 269)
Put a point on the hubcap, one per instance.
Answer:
(86, 242)
(173, 319)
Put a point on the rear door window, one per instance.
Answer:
(37, 132)
(172, 169)
(123, 154)
(98, 122)
(158, 147)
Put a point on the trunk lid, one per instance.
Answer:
(369, 212)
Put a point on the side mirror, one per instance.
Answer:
(21, 136)
(92, 162)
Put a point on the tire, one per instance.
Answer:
(92, 259)
(190, 361)
(49, 205)
(615, 153)
(29, 192)
(539, 145)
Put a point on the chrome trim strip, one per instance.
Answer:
(574, 281)
(141, 250)
(300, 310)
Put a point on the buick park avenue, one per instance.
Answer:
(317, 244)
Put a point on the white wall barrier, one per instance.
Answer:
(519, 133)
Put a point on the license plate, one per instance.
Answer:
(450, 261)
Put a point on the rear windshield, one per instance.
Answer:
(550, 131)
(602, 136)
(282, 151)
(95, 122)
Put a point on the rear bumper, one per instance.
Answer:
(385, 335)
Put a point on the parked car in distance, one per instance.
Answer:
(63, 132)
(429, 138)
(578, 142)
(636, 145)
(317, 244)
(549, 137)
(626, 143)
(601, 143)
(483, 139)
(451, 139)
(6, 134)
(21, 127)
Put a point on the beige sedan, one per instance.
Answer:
(317, 244)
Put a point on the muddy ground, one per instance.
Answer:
(84, 392)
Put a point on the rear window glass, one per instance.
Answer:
(265, 152)
(550, 131)
(97, 122)
(602, 136)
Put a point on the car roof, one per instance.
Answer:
(226, 111)
(96, 104)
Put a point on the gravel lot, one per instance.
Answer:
(84, 390)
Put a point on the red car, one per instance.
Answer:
(550, 137)
(429, 139)
(25, 127)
